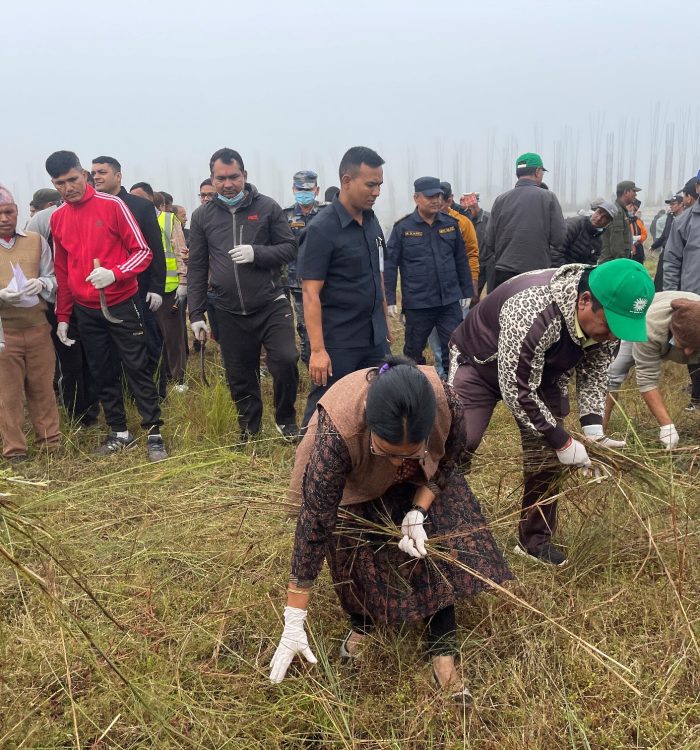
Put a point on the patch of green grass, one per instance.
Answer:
(140, 604)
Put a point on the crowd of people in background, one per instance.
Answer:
(97, 291)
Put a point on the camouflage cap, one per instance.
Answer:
(305, 179)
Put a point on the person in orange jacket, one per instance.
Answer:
(467, 231)
(639, 231)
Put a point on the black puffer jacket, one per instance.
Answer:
(582, 243)
(239, 288)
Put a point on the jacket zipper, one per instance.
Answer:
(235, 265)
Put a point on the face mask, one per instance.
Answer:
(230, 202)
(304, 197)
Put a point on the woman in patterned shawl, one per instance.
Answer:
(380, 456)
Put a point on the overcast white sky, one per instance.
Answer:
(160, 86)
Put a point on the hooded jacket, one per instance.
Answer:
(682, 253)
(523, 340)
(238, 288)
(582, 243)
(525, 223)
(617, 240)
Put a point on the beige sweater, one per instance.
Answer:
(649, 355)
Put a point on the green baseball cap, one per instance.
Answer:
(625, 290)
(529, 160)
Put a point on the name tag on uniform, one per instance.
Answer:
(412, 233)
(380, 251)
(297, 225)
(446, 230)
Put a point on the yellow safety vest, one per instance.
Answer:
(172, 278)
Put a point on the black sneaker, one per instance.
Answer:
(547, 554)
(694, 405)
(156, 448)
(18, 459)
(290, 432)
(113, 444)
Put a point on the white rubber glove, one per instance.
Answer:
(242, 254)
(574, 454)
(414, 536)
(465, 302)
(593, 433)
(33, 286)
(636, 238)
(101, 277)
(393, 310)
(199, 326)
(62, 333)
(292, 642)
(668, 435)
(8, 297)
(181, 293)
(154, 301)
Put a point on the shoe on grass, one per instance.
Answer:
(289, 432)
(547, 554)
(113, 444)
(17, 459)
(694, 405)
(156, 448)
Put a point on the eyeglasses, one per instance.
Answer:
(420, 456)
(206, 195)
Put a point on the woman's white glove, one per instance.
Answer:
(154, 301)
(33, 287)
(414, 536)
(242, 254)
(101, 277)
(594, 434)
(574, 454)
(292, 642)
(62, 334)
(197, 327)
(668, 435)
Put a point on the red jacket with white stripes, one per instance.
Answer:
(98, 226)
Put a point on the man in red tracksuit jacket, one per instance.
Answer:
(93, 226)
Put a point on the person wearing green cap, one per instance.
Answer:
(526, 222)
(521, 344)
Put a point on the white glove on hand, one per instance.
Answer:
(197, 328)
(414, 536)
(636, 238)
(101, 277)
(593, 433)
(33, 286)
(242, 254)
(62, 333)
(154, 301)
(292, 642)
(393, 310)
(8, 297)
(574, 454)
(465, 302)
(181, 293)
(668, 435)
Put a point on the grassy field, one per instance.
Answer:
(140, 604)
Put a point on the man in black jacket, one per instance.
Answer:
(675, 208)
(583, 239)
(107, 174)
(238, 243)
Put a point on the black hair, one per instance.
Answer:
(227, 156)
(158, 200)
(142, 186)
(166, 197)
(401, 405)
(116, 166)
(330, 193)
(61, 162)
(355, 157)
(619, 193)
(637, 202)
(584, 286)
(205, 182)
(525, 171)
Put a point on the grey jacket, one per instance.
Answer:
(617, 238)
(239, 288)
(682, 253)
(525, 223)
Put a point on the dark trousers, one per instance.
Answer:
(129, 340)
(542, 471)
(500, 275)
(75, 385)
(154, 348)
(171, 321)
(297, 299)
(241, 338)
(694, 372)
(659, 276)
(419, 324)
(344, 361)
(441, 626)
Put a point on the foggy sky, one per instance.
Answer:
(293, 85)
